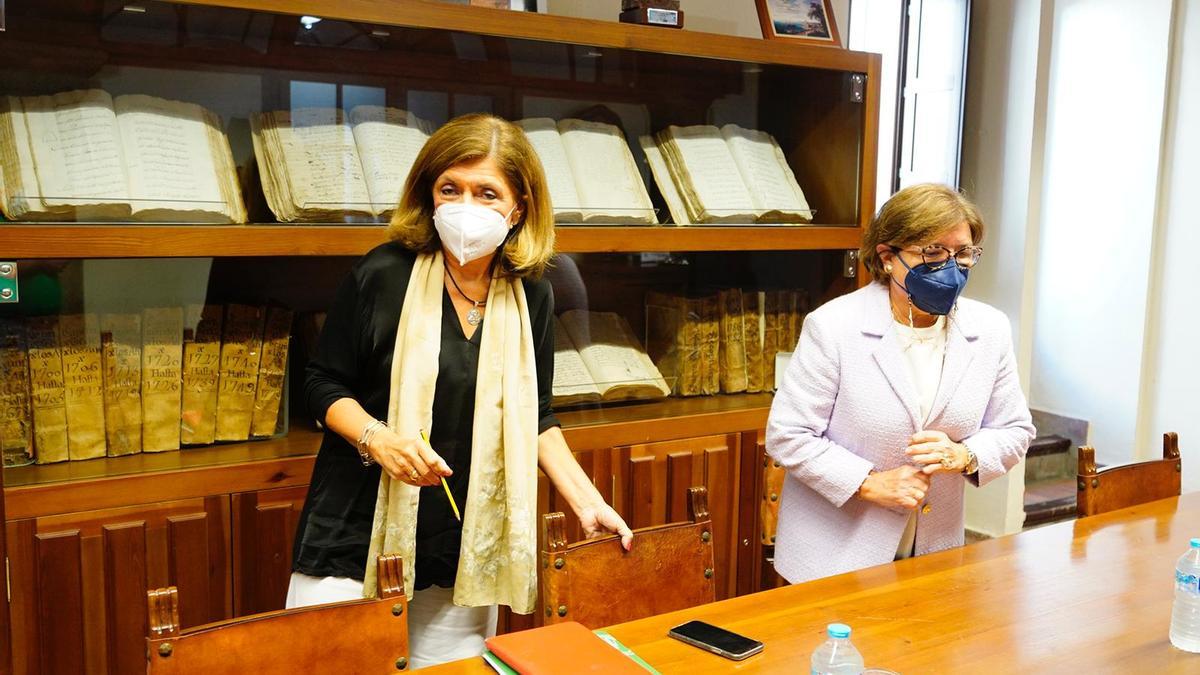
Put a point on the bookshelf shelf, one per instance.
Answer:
(48, 489)
(27, 241)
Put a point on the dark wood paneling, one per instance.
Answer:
(264, 527)
(749, 544)
(80, 579)
(125, 550)
(5, 615)
(60, 602)
(651, 489)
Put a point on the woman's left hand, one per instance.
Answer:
(934, 452)
(600, 519)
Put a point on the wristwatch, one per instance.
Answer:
(972, 463)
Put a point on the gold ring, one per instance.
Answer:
(947, 461)
(415, 475)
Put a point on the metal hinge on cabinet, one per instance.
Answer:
(858, 87)
(850, 264)
(8, 282)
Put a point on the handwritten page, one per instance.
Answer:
(83, 377)
(543, 135)
(171, 171)
(121, 351)
(765, 172)
(606, 177)
(613, 356)
(321, 162)
(162, 377)
(73, 138)
(707, 174)
(388, 141)
(572, 381)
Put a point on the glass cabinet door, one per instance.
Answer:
(156, 112)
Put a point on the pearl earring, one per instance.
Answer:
(887, 268)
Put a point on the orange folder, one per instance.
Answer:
(560, 648)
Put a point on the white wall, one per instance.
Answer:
(1001, 173)
(1170, 369)
(1100, 173)
(1099, 189)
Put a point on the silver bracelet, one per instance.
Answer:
(364, 439)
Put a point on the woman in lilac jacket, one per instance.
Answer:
(898, 394)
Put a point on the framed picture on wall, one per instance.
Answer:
(809, 21)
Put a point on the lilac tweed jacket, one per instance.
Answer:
(847, 406)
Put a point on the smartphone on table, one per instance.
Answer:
(716, 640)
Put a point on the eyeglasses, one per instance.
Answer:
(936, 256)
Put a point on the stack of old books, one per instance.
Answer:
(84, 155)
(724, 175)
(82, 386)
(722, 343)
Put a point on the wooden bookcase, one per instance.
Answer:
(86, 538)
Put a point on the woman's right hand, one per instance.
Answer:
(408, 460)
(903, 487)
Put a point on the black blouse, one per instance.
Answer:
(354, 359)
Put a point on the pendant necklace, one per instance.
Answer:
(913, 336)
(474, 316)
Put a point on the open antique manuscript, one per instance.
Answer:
(83, 155)
(724, 175)
(324, 165)
(597, 357)
(591, 172)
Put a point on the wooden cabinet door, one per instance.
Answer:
(79, 581)
(264, 527)
(650, 483)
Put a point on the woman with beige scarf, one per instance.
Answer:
(446, 331)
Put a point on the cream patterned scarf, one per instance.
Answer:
(497, 560)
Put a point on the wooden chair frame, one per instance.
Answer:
(1108, 489)
(287, 641)
(597, 583)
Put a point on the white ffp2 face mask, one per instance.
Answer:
(470, 231)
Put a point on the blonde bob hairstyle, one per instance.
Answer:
(465, 140)
(915, 216)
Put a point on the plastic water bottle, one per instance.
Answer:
(1185, 616)
(837, 656)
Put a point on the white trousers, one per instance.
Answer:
(438, 630)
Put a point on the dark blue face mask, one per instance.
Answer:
(934, 290)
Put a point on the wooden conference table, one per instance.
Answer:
(1087, 596)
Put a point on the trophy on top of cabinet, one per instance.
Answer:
(652, 12)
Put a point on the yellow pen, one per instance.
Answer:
(425, 437)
